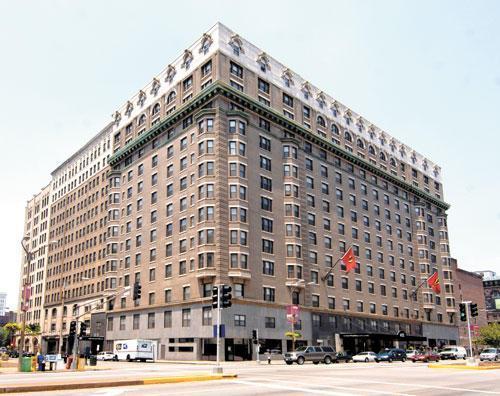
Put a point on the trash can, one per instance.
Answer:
(80, 364)
(93, 360)
(26, 364)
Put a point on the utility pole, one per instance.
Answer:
(25, 298)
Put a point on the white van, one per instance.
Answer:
(453, 352)
(135, 349)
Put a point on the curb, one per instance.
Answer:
(106, 384)
(462, 367)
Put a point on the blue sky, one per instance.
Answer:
(427, 72)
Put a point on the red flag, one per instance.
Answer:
(433, 283)
(349, 260)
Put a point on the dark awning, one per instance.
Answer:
(385, 336)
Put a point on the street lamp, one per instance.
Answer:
(23, 304)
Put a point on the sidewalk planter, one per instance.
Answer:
(93, 360)
(80, 364)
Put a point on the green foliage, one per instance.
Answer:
(490, 335)
(4, 336)
(12, 327)
(33, 329)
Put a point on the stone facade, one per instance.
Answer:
(229, 168)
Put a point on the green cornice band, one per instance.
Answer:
(218, 87)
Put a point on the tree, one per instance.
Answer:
(33, 329)
(12, 328)
(4, 336)
(490, 335)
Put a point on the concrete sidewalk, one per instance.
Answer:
(76, 383)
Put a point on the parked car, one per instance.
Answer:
(313, 354)
(390, 355)
(492, 354)
(454, 352)
(13, 353)
(410, 353)
(425, 357)
(343, 356)
(3, 350)
(364, 357)
(105, 356)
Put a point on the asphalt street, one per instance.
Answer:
(278, 379)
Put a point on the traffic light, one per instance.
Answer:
(255, 336)
(226, 296)
(137, 291)
(463, 312)
(83, 329)
(215, 297)
(72, 328)
(473, 310)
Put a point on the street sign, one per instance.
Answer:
(91, 338)
(222, 331)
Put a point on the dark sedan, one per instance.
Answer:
(390, 355)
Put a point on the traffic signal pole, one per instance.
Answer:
(467, 309)
(219, 292)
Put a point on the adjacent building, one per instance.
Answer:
(230, 168)
(3, 303)
(470, 288)
(491, 284)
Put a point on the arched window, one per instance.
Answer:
(360, 144)
(156, 109)
(54, 312)
(392, 161)
(142, 120)
(371, 150)
(347, 136)
(321, 121)
(382, 156)
(171, 97)
(335, 129)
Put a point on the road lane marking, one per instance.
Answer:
(289, 388)
(341, 387)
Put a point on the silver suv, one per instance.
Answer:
(315, 354)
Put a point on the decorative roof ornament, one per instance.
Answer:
(348, 116)
(129, 108)
(141, 98)
(206, 42)
(425, 165)
(334, 107)
(371, 132)
(402, 150)
(287, 77)
(436, 171)
(155, 86)
(392, 144)
(236, 44)
(187, 58)
(118, 117)
(321, 99)
(360, 123)
(170, 74)
(306, 89)
(263, 61)
(413, 157)
(381, 138)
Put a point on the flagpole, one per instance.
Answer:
(414, 292)
(323, 278)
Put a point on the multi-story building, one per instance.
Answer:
(470, 288)
(76, 257)
(231, 168)
(491, 285)
(3, 303)
(33, 272)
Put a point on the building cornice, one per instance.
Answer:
(218, 87)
